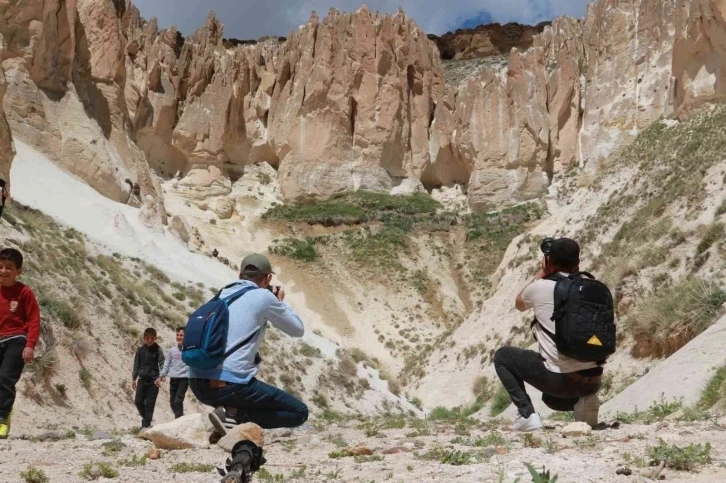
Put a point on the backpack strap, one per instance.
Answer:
(241, 345)
(554, 277)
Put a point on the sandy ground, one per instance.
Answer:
(578, 460)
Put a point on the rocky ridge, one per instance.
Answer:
(350, 101)
(488, 40)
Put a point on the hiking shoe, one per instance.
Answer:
(526, 425)
(4, 429)
(221, 421)
(586, 410)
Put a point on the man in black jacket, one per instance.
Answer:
(147, 367)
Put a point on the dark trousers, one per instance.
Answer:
(264, 405)
(11, 367)
(146, 393)
(516, 366)
(177, 391)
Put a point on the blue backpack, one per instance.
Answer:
(205, 337)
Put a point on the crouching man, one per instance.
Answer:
(566, 383)
(232, 388)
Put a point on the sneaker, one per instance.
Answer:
(221, 421)
(586, 410)
(5, 427)
(526, 425)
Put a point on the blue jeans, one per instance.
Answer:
(265, 405)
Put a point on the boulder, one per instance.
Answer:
(153, 213)
(408, 186)
(576, 430)
(181, 228)
(243, 432)
(224, 208)
(188, 432)
(360, 451)
(154, 453)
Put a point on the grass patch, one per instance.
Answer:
(85, 376)
(62, 311)
(134, 461)
(681, 459)
(191, 468)
(658, 411)
(714, 390)
(501, 402)
(713, 234)
(34, 475)
(95, 471)
(354, 208)
(302, 250)
(668, 320)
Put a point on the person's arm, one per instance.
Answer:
(282, 317)
(522, 303)
(32, 312)
(135, 373)
(161, 363)
(167, 365)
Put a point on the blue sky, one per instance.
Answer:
(251, 19)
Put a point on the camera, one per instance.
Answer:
(274, 289)
(546, 245)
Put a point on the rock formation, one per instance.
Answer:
(487, 40)
(6, 141)
(65, 89)
(351, 101)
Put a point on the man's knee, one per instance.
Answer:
(302, 413)
(500, 356)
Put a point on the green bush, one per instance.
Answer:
(94, 471)
(714, 390)
(682, 459)
(303, 250)
(713, 234)
(354, 208)
(85, 376)
(191, 468)
(62, 311)
(34, 475)
(501, 402)
(669, 319)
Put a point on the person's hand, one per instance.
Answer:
(133, 384)
(280, 293)
(157, 383)
(28, 355)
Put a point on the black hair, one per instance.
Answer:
(565, 253)
(181, 329)
(252, 273)
(150, 331)
(12, 255)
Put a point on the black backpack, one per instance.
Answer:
(584, 318)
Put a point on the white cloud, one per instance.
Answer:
(254, 18)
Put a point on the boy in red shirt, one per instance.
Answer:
(19, 331)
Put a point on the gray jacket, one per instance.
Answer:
(174, 365)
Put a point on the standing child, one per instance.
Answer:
(175, 367)
(19, 331)
(147, 364)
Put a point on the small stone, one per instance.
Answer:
(501, 450)
(576, 430)
(50, 436)
(396, 450)
(243, 432)
(99, 436)
(115, 445)
(154, 454)
(360, 451)
(625, 471)
(675, 416)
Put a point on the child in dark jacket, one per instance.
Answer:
(147, 367)
(19, 331)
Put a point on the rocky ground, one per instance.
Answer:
(396, 450)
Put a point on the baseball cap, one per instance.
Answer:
(261, 264)
(565, 252)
